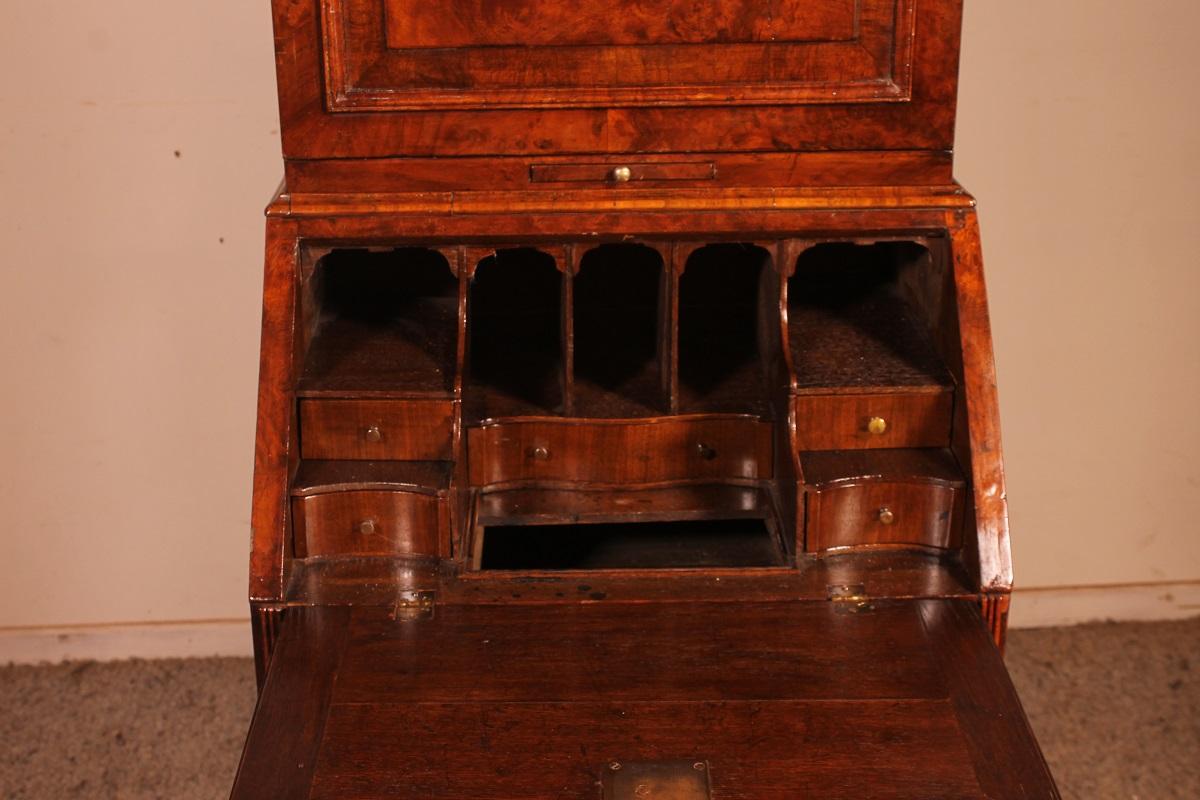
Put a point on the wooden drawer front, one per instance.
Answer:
(620, 452)
(370, 523)
(922, 514)
(843, 421)
(408, 430)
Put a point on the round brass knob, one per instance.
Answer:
(886, 516)
(622, 174)
(707, 452)
(373, 434)
(540, 453)
(366, 527)
(877, 426)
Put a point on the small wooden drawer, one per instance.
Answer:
(370, 523)
(620, 451)
(868, 421)
(908, 498)
(410, 430)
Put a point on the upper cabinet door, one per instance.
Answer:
(385, 55)
(383, 78)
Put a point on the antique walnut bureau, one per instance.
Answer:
(627, 421)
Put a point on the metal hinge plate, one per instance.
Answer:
(849, 598)
(414, 605)
(656, 780)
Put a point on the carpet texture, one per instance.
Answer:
(1116, 708)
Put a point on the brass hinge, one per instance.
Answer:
(849, 598)
(414, 605)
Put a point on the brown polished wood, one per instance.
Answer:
(409, 430)
(639, 452)
(874, 420)
(370, 523)
(520, 685)
(626, 391)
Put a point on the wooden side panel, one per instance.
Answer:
(409, 430)
(1007, 759)
(843, 421)
(280, 758)
(981, 445)
(370, 523)
(275, 444)
(646, 452)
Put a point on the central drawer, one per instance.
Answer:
(620, 451)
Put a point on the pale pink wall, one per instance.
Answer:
(128, 329)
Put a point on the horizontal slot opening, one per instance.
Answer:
(719, 543)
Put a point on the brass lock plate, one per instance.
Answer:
(657, 780)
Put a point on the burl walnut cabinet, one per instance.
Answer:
(627, 419)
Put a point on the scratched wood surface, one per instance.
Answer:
(534, 702)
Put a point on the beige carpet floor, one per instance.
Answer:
(1116, 708)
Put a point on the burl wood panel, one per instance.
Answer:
(368, 523)
(381, 57)
(841, 421)
(413, 430)
(680, 98)
(908, 701)
(634, 452)
(536, 23)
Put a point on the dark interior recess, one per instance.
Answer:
(723, 306)
(861, 316)
(635, 545)
(514, 320)
(382, 322)
(618, 306)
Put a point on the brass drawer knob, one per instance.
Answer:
(539, 453)
(706, 452)
(877, 426)
(622, 175)
(367, 527)
(887, 516)
(373, 434)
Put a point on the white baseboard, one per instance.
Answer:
(1031, 608)
(1074, 605)
(116, 642)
